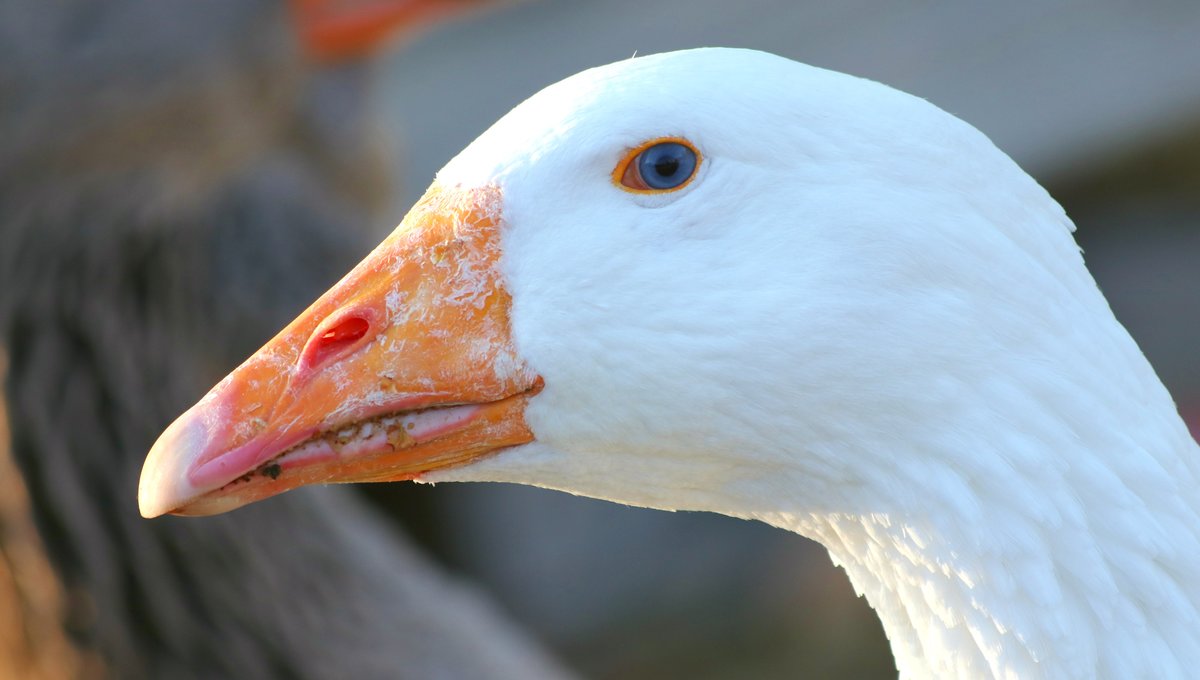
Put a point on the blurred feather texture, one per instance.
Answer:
(160, 164)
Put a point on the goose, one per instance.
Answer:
(720, 280)
(124, 227)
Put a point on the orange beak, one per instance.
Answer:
(334, 30)
(406, 365)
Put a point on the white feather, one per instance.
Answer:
(863, 323)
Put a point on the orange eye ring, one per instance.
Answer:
(628, 175)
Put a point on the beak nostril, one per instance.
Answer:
(333, 341)
(347, 331)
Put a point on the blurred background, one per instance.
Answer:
(1098, 100)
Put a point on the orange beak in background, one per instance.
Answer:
(334, 30)
(406, 365)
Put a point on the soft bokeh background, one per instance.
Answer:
(1099, 100)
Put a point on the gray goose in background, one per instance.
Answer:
(159, 163)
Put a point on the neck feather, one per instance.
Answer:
(1052, 531)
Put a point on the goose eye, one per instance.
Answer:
(659, 165)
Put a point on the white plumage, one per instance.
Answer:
(862, 323)
(859, 321)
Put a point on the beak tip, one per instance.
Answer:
(164, 485)
(147, 508)
(152, 502)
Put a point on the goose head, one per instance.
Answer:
(722, 280)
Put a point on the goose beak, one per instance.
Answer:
(406, 365)
(337, 30)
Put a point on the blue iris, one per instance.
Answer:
(666, 165)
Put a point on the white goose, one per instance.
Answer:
(721, 280)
